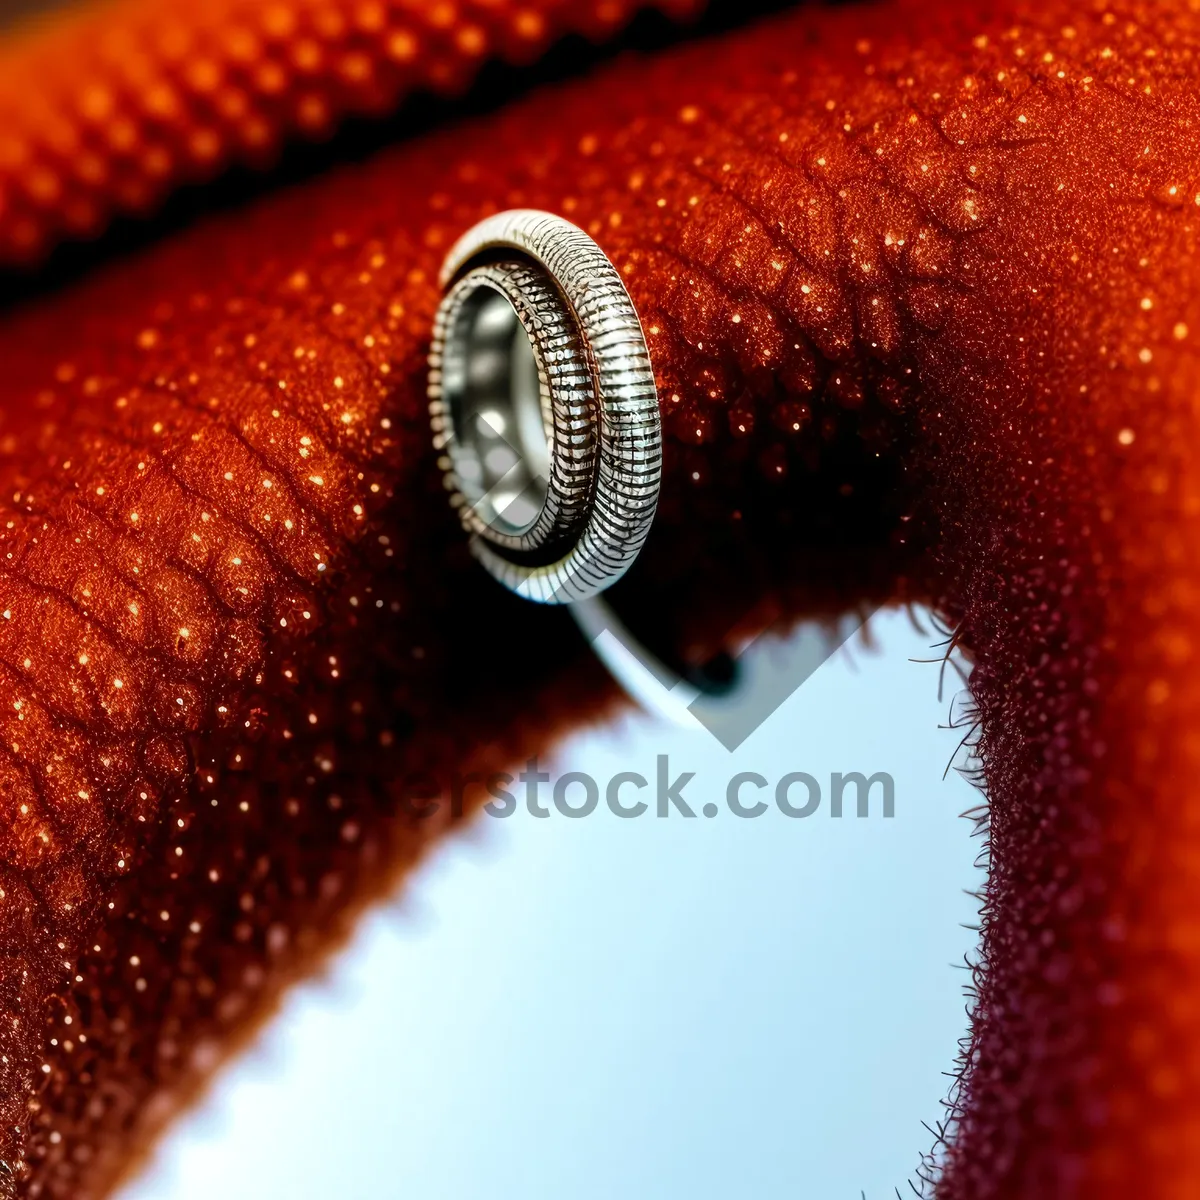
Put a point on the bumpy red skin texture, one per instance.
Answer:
(921, 288)
(106, 113)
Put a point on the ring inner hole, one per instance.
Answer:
(502, 446)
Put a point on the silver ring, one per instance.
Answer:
(545, 416)
(544, 407)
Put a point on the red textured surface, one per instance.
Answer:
(116, 107)
(921, 286)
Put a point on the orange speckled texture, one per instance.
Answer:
(122, 104)
(922, 286)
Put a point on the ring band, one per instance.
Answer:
(544, 407)
(545, 417)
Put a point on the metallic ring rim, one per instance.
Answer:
(627, 422)
(566, 398)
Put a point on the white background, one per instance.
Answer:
(585, 1009)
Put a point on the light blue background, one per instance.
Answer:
(577, 1010)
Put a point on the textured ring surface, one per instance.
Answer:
(597, 396)
(555, 479)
